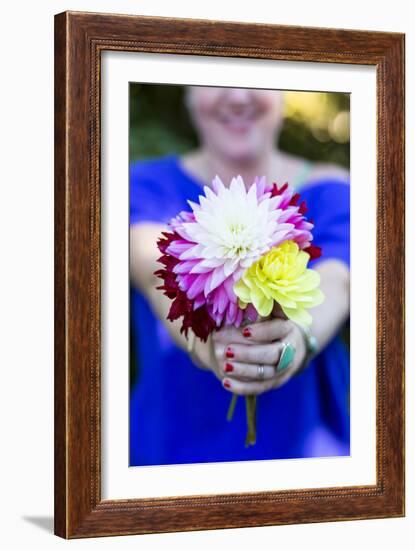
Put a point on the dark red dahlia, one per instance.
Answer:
(198, 319)
(313, 251)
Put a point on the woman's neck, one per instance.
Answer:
(205, 166)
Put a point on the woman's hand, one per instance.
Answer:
(245, 359)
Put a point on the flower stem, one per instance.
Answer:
(232, 406)
(250, 404)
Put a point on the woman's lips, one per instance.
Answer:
(237, 124)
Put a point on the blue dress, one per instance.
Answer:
(178, 411)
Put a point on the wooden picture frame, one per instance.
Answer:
(79, 40)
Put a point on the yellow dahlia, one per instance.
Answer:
(281, 276)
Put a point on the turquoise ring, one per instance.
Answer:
(286, 357)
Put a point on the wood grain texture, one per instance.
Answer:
(60, 278)
(79, 40)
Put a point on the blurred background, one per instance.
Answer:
(316, 124)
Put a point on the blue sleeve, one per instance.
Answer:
(328, 205)
(155, 193)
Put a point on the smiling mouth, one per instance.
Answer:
(238, 123)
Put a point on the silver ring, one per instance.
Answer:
(261, 372)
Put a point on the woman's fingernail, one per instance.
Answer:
(228, 367)
(226, 384)
(247, 332)
(229, 353)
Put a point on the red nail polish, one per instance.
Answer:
(247, 332)
(226, 384)
(229, 353)
(228, 367)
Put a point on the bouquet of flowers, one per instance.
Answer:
(234, 255)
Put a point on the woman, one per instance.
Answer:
(179, 403)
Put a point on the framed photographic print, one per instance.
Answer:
(229, 274)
